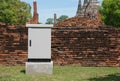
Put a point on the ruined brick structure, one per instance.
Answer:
(35, 18)
(73, 44)
(82, 22)
(70, 46)
(13, 45)
(88, 9)
(76, 41)
(86, 47)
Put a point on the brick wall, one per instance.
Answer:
(70, 45)
(86, 47)
(13, 45)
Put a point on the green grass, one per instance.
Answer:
(62, 73)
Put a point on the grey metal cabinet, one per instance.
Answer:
(39, 46)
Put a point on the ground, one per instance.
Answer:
(62, 73)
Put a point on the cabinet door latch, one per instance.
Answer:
(30, 43)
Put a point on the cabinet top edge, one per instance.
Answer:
(39, 25)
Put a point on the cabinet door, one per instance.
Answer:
(39, 43)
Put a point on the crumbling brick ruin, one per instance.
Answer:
(86, 47)
(35, 18)
(70, 45)
(13, 45)
(88, 9)
(85, 40)
(80, 22)
(87, 16)
(76, 41)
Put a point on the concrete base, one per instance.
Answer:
(39, 67)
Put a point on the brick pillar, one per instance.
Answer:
(79, 10)
(55, 18)
(35, 7)
(35, 18)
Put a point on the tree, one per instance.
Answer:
(110, 12)
(50, 21)
(14, 12)
(62, 17)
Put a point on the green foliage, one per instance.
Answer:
(14, 12)
(50, 21)
(62, 17)
(110, 11)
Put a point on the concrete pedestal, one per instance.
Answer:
(39, 67)
(39, 49)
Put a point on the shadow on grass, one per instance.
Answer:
(22, 71)
(111, 77)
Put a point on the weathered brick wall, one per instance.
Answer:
(13, 45)
(70, 45)
(86, 47)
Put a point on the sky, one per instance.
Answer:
(47, 8)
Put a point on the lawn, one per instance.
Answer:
(62, 73)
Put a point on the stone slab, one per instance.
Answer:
(39, 25)
(39, 67)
